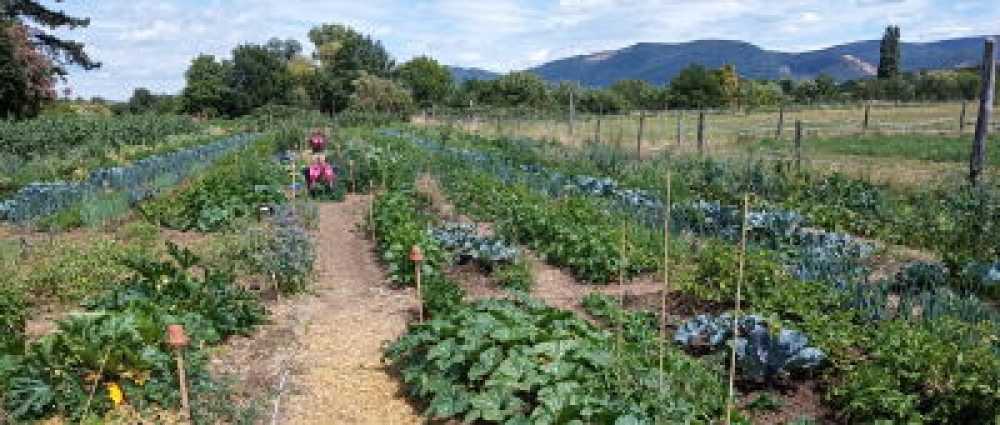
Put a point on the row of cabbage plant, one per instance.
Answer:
(138, 180)
(808, 253)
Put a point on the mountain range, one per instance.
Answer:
(659, 62)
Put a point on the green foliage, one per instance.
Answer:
(889, 63)
(573, 233)
(717, 272)
(207, 90)
(519, 361)
(344, 55)
(516, 276)
(233, 189)
(373, 94)
(400, 223)
(428, 81)
(915, 375)
(259, 78)
(120, 341)
(696, 87)
(59, 276)
(78, 135)
(13, 319)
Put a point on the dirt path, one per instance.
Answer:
(340, 378)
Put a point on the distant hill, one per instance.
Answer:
(658, 62)
(460, 74)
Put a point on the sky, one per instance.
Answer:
(146, 43)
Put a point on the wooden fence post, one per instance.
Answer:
(781, 121)
(680, 126)
(961, 118)
(572, 113)
(701, 132)
(864, 125)
(638, 137)
(798, 146)
(985, 111)
(597, 130)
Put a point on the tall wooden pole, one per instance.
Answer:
(597, 130)
(730, 401)
(680, 126)
(701, 132)
(864, 125)
(572, 113)
(985, 111)
(961, 117)
(781, 121)
(638, 137)
(798, 146)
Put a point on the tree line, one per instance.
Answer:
(351, 71)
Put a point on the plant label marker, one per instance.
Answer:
(416, 256)
(177, 339)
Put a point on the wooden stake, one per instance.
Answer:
(680, 126)
(638, 137)
(781, 122)
(597, 130)
(666, 281)
(864, 124)
(730, 403)
(961, 118)
(701, 132)
(798, 146)
(985, 111)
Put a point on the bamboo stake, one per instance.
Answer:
(730, 401)
(666, 282)
(182, 379)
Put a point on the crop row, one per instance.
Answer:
(875, 368)
(136, 180)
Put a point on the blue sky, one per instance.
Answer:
(145, 43)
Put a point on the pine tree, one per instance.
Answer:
(61, 51)
(889, 60)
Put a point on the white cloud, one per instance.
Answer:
(148, 43)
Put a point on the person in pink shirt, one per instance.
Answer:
(320, 175)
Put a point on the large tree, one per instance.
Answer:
(637, 94)
(61, 51)
(259, 77)
(345, 55)
(27, 74)
(208, 88)
(428, 81)
(517, 89)
(696, 87)
(889, 59)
